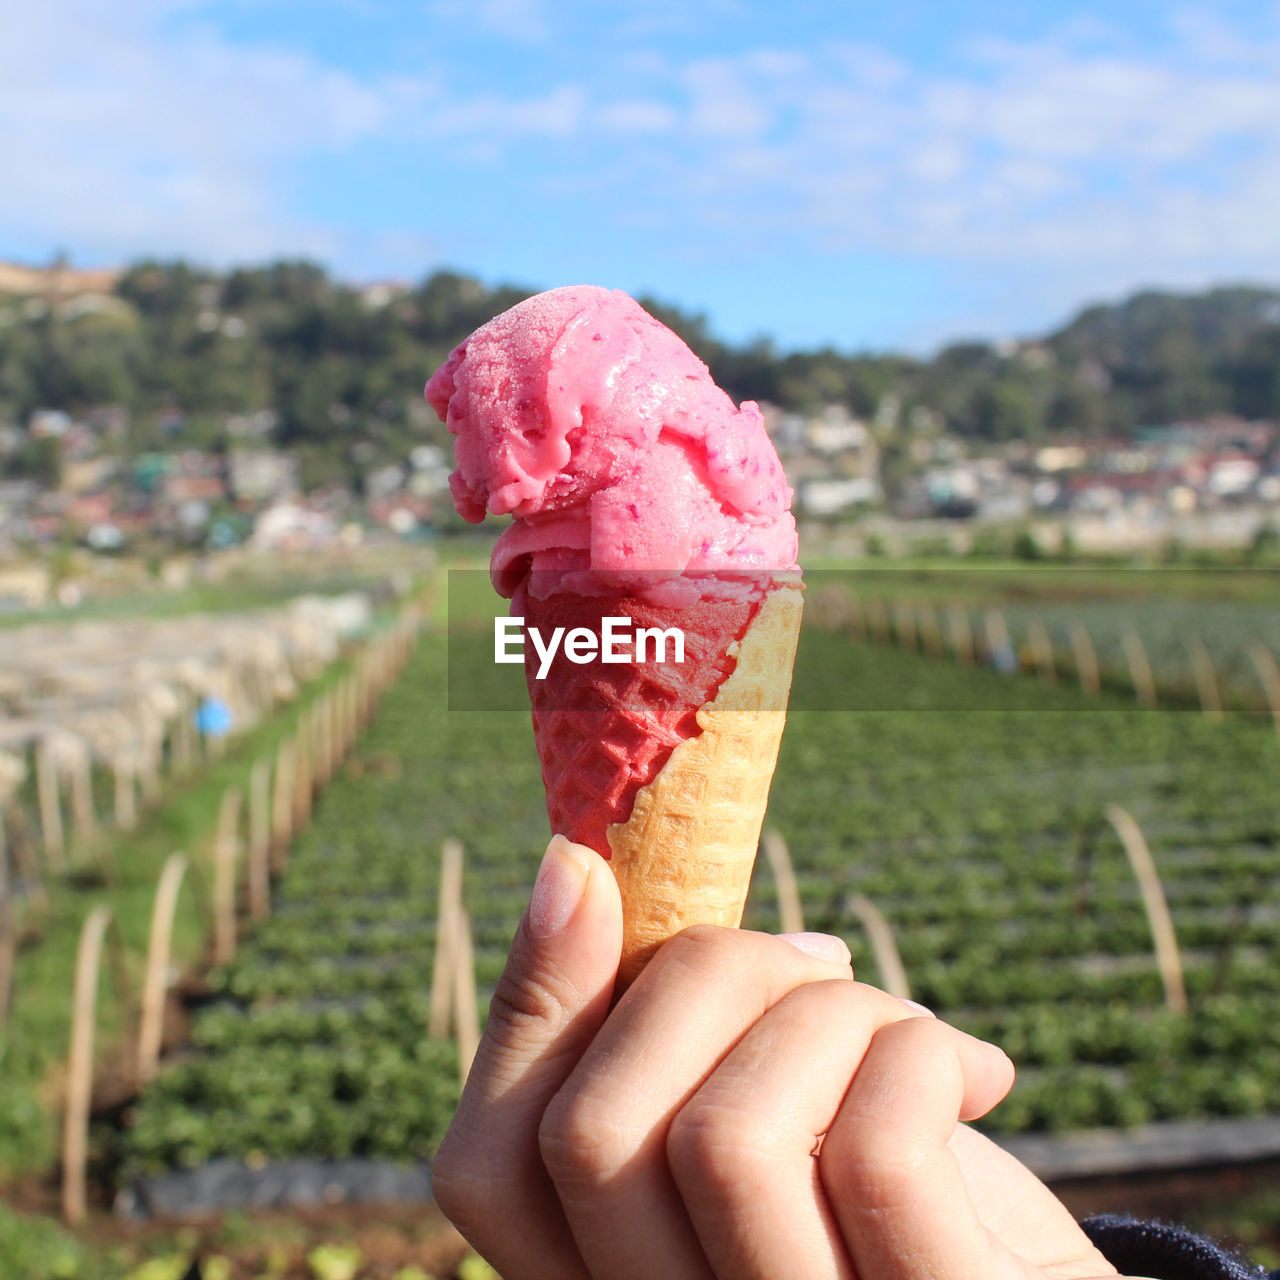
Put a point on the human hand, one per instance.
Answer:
(746, 1111)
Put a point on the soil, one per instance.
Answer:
(277, 1244)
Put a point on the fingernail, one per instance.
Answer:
(822, 946)
(562, 880)
(922, 1010)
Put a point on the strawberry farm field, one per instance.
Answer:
(967, 806)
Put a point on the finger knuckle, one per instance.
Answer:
(874, 1169)
(521, 1010)
(716, 1141)
(580, 1138)
(708, 950)
(462, 1189)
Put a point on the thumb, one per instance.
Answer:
(555, 990)
(551, 1000)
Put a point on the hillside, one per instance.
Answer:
(334, 372)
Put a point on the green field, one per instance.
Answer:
(975, 825)
(969, 806)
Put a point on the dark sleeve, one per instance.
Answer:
(1164, 1252)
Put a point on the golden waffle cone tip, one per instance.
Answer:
(685, 855)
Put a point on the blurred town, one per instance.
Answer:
(279, 439)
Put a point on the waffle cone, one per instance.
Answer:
(685, 854)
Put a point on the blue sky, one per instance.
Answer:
(865, 175)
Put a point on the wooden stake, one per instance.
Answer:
(878, 620)
(883, 947)
(961, 633)
(55, 847)
(930, 630)
(1168, 957)
(1269, 674)
(1042, 650)
(182, 737)
(857, 617)
(225, 849)
(282, 806)
(353, 710)
(156, 984)
(75, 1130)
(466, 1017)
(126, 810)
(321, 745)
(904, 623)
(303, 785)
(8, 929)
(790, 912)
(82, 814)
(443, 978)
(1144, 686)
(25, 861)
(995, 634)
(1086, 659)
(149, 768)
(260, 840)
(1206, 678)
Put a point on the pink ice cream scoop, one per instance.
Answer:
(623, 464)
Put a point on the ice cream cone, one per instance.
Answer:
(606, 440)
(664, 769)
(685, 855)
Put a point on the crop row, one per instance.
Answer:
(980, 834)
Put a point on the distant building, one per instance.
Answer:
(261, 475)
(825, 497)
(58, 280)
(196, 476)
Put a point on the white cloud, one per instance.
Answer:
(1080, 147)
(524, 21)
(124, 134)
(130, 128)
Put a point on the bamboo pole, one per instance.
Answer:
(303, 781)
(82, 815)
(75, 1130)
(466, 1017)
(260, 840)
(790, 912)
(1144, 685)
(350, 704)
(904, 624)
(155, 985)
(1086, 659)
(1168, 958)
(1269, 674)
(182, 735)
(51, 830)
(225, 848)
(995, 634)
(878, 619)
(126, 809)
(930, 631)
(961, 633)
(25, 861)
(883, 947)
(857, 617)
(1042, 650)
(282, 806)
(8, 929)
(1206, 678)
(443, 978)
(149, 768)
(318, 723)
